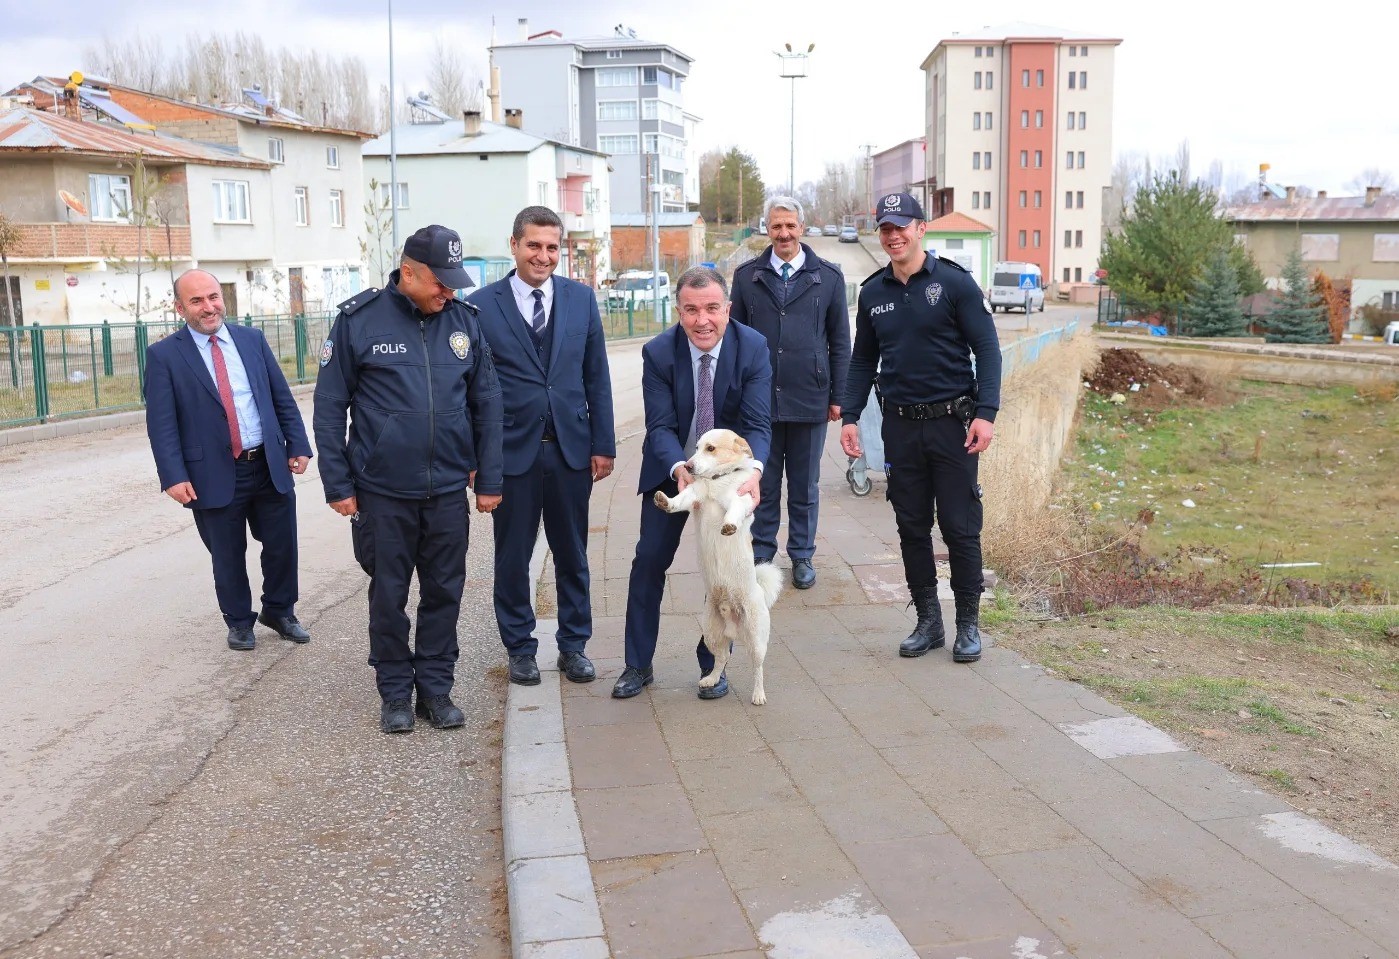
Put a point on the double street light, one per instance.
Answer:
(793, 67)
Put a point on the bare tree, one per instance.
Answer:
(1374, 176)
(149, 197)
(452, 89)
(9, 240)
(838, 192)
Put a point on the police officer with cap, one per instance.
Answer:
(409, 365)
(918, 322)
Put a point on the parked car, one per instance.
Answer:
(1391, 334)
(637, 287)
(1017, 285)
(830, 229)
(848, 234)
(813, 231)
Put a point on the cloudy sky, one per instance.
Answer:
(1243, 83)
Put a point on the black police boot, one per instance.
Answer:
(967, 646)
(928, 634)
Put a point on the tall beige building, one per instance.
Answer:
(1019, 134)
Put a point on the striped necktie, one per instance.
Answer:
(704, 398)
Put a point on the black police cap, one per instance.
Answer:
(900, 209)
(439, 249)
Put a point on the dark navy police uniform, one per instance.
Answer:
(921, 337)
(425, 412)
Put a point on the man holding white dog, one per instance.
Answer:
(700, 375)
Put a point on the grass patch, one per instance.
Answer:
(1280, 777)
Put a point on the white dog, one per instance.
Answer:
(738, 595)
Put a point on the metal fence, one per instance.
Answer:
(54, 372)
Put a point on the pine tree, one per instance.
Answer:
(1213, 306)
(1297, 317)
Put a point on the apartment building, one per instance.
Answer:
(901, 169)
(1019, 136)
(618, 95)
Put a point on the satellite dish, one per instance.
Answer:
(72, 202)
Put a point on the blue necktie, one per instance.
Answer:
(704, 398)
(786, 281)
(539, 317)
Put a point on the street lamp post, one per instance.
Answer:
(793, 66)
(393, 144)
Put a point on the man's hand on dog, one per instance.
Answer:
(750, 488)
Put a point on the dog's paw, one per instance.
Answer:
(662, 501)
(728, 529)
(759, 697)
(710, 681)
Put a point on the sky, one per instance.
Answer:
(1242, 83)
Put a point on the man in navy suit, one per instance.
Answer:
(227, 437)
(551, 359)
(703, 374)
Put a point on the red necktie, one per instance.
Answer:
(226, 394)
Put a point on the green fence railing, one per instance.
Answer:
(49, 373)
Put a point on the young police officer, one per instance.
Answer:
(411, 363)
(919, 320)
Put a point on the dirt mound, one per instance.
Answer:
(1125, 371)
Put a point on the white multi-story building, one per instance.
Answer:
(1019, 135)
(474, 177)
(617, 95)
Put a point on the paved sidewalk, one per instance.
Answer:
(879, 808)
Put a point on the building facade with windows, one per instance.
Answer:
(901, 169)
(1019, 135)
(618, 95)
(474, 177)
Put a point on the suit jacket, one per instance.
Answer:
(742, 397)
(809, 333)
(576, 389)
(187, 426)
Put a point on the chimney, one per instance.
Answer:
(473, 122)
(1321, 194)
(524, 29)
(1291, 194)
(514, 118)
(1372, 193)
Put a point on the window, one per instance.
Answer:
(976, 159)
(976, 120)
(1071, 119)
(663, 78)
(1069, 160)
(1039, 119)
(1321, 246)
(986, 160)
(337, 208)
(976, 199)
(1039, 159)
(231, 201)
(650, 75)
(988, 119)
(1066, 274)
(976, 80)
(1068, 244)
(1073, 51)
(955, 244)
(275, 150)
(1037, 239)
(108, 196)
(1083, 79)
(402, 196)
(1385, 248)
(1068, 199)
(651, 109)
(1024, 199)
(978, 51)
(986, 200)
(616, 77)
(1073, 85)
(303, 204)
(332, 158)
(1078, 238)
(1039, 199)
(614, 54)
(1080, 159)
(1024, 119)
(1022, 239)
(617, 144)
(616, 109)
(1024, 159)
(990, 51)
(1024, 78)
(1082, 120)
(1039, 78)
(543, 187)
(1389, 300)
(1083, 51)
(1078, 274)
(989, 78)
(1080, 199)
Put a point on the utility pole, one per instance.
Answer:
(868, 165)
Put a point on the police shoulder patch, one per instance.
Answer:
(460, 344)
(327, 348)
(358, 301)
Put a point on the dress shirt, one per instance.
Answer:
(796, 261)
(249, 423)
(524, 299)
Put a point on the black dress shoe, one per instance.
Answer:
(803, 574)
(440, 711)
(718, 691)
(396, 716)
(524, 671)
(577, 667)
(285, 626)
(241, 638)
(632, 681)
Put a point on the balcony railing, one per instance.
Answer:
(73, 241)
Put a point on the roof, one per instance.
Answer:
(281, 117)
(665, 219)
(448, 138)
(1314, 208)
(1018, 30)
(919, 141)
(32, 131)
(957, 223)
(547, 39)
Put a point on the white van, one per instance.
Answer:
(637, 287)
(1391, 334)
(1016, 285)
